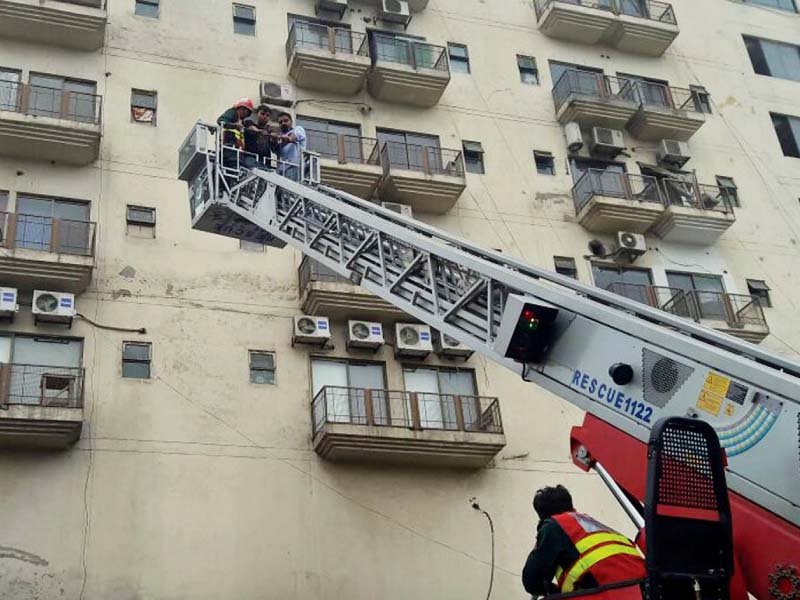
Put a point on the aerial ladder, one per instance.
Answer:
(663, 396)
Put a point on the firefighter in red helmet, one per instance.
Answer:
(232, 121)
(577, 551)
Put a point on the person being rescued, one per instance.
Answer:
(232, 123)
(259, 138)
(577, 551)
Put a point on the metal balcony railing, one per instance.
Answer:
(47, 234)
(50, 102)
(310, 271)
(424, 159)
(336, 40)
(387, 48)
(659, 95)
(644, 9)
(343, 148)
(412, 410)
(41, 385)
(92, 3)
(596, 182)
(677, 192)
(597, 85)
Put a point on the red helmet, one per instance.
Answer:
(244, 103)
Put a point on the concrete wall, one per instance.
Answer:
(197, 484)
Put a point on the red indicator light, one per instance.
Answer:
(528, 314)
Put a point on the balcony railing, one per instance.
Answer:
(41, 385)
(424, 159)
(92, 3)
(644, 9)
(310, 270)
(596, 182)
(412, 410)
(50, 102)
(596, 85)
(343, 148)
(336, 40)
(659, 95)
(676, 192)
(47, 234)
(387, 48)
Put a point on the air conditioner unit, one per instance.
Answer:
(334, 6)
(607, 141)
(364, 334)
(8, 302)
(53, 307)
(631, 245)
(401, 209)
(572, 131)
(311, 330)
(413, 340)
(281, 94)
(673, 153)
(450, 346)
(395, 11)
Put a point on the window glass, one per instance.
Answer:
(459, 58)
(545, 163)
(566, 266)
(626, 281)
(786, 128)
(473, 157)
(136, 357)
(775, 59)
(528, 71)
(262, 367)
(244, 19)
(146, 8)
(787, 5)
(9, 88)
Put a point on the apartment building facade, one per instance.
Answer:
(164, 437)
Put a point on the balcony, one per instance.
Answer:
(78, 24)
(735, 314)
(42, 406)
(594, 100)
(419, 429)
(327, 59)
(695, 213)
(323, 292)
(407, 72)
(428, 178)
(348, 163)
(643, 26)
(665, 113)
(46, 253)
(49, 124)
(607, 202)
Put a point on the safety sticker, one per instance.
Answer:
(713, 393)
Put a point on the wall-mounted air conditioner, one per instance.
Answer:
(53, 307)
(449, 346)
(364, 334)
(8, 302)
(311, 330)
(607, 141)
(673, 153)
(395, 11)
(279, 94)
(332, 6)
(631, 245)
(401, 209)
(413, 340)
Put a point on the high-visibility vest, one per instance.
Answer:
(609, 556)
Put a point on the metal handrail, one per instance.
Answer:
(343, 148)
(590, 83)
(651, 10)
(413, 410)
(407, 52)
(649, 93)
(41, 385)
(430, 160)
(48, 234)
(597, 182)
(56, 103)
(336, 40)
(708, 197)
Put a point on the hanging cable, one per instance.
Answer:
(139, 330)
(476, 506)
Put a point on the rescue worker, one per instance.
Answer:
(579, 552)
(232, 123)
(291, 143)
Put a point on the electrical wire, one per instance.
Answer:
(476, 506)
(140, 330)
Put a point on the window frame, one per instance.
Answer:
(568, 266)
(463, 60)
(754, 46)
(757, 3)
(252, 369)
(149, 3)
(729, 190)
(530, 70)
(240, 20)
(789, 147)
(758, 289)
(137, 361)
(544, 155)
(134, 105)
(140, 222)
(477, 152)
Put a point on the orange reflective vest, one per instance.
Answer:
(609, 556)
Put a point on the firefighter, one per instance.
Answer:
(232, 123)
(579, 552)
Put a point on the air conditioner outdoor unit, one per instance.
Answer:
(311, 330)
(631, 245)
(364, 334)
(395, 11)
(280, 94)
(673, 153)
(413, 340)
(607, 141)
(401, 209)
(335, 6)
(450, 346)
(8, 302)
(53, 307)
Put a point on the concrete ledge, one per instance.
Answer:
(53, 22)
(358, 179)
(342, 300)
(34, 269)
(47, 138)
(653, 123)
(574, 23)
(34, 426)
(424, 193)
(319, 69)
(692, 225)
(591, 111)
(605, 214)
(403, 84)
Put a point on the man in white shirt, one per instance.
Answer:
(291, 143)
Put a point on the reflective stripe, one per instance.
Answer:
(596, 539)
(585, 563)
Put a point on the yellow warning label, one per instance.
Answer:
(730, 410)
(713, 393)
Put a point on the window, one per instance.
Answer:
(707, 293)
(146, 8)
(436, 391)
(590, 82)
(566, 266)
(729, 190)
(775, 59)
(760, 290)
(42, 370)
(36, 216)
(141, 220)
(340, 391)
(252, 246)
(143, 106)
(47, 98)
(244, 19)
(409, 150)
(633, 283)
(9, 88)
(332, 138)
(404, 49)
(545, 163)
(459, 57)
(701, 99)
(136, 357)
(788, 131)
(473, 157)
(262, 367)
(528, 72)
(649, 91)
(779, 4)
